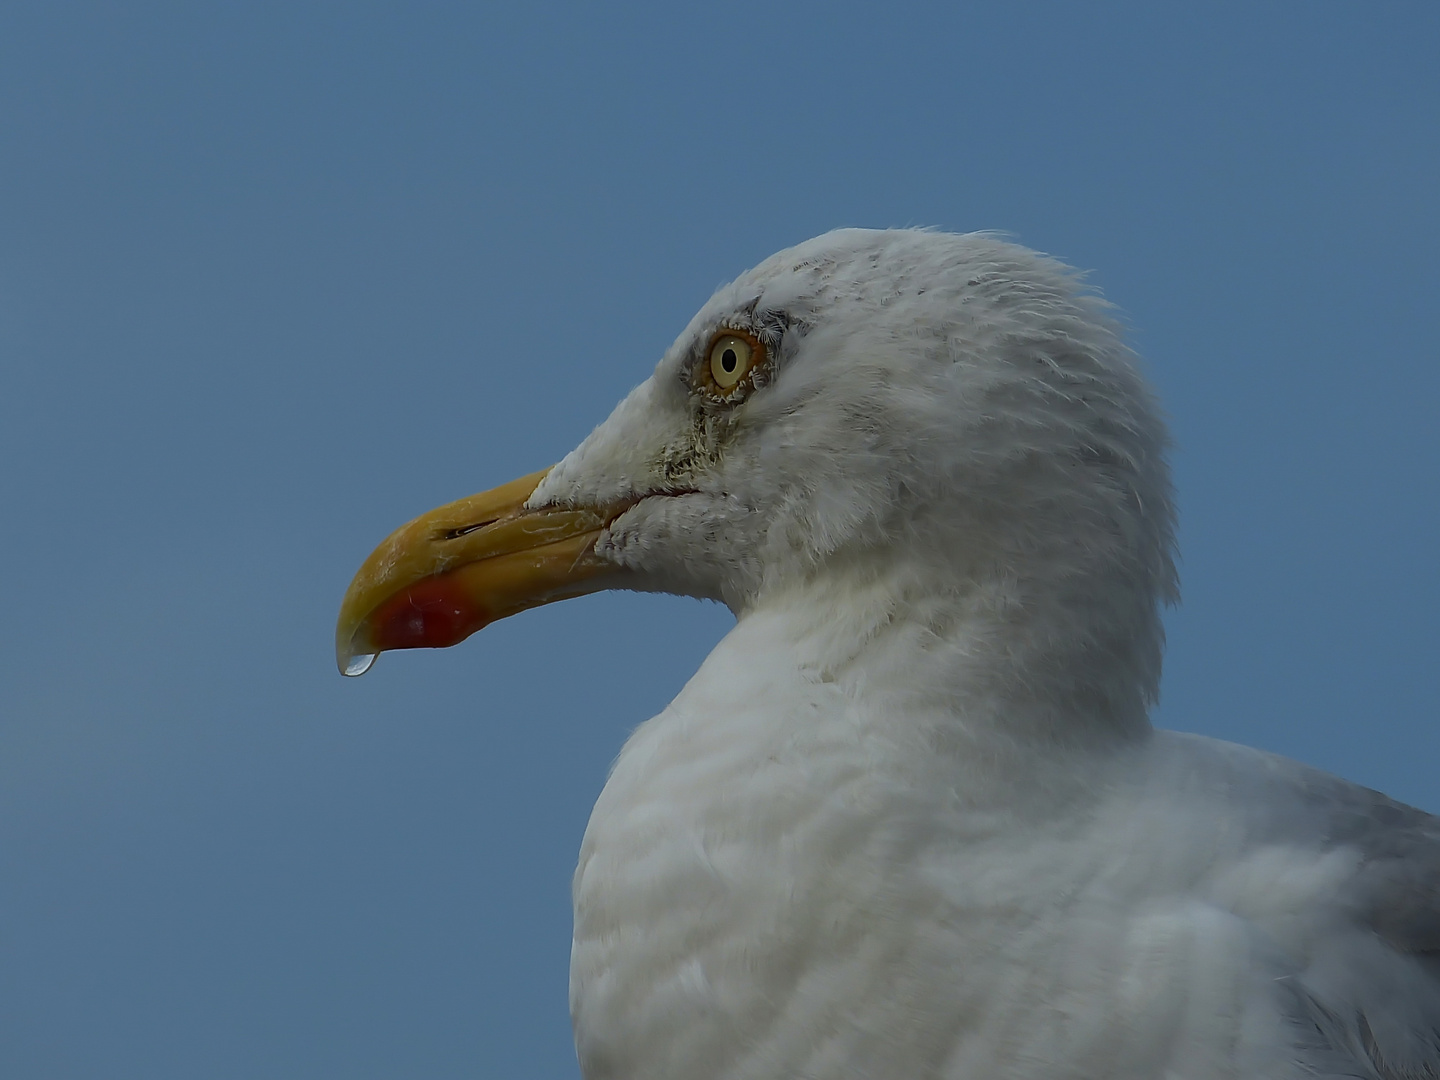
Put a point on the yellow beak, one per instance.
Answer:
(448, 573)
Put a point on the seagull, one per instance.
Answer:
(910, 820)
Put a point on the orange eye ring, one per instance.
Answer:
(727, 369)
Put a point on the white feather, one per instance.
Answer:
(910, 819)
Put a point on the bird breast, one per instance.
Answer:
(776, 882)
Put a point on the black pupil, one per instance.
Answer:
(727, 360)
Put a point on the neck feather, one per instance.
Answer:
(1026, 660)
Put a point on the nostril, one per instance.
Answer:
(465, 530)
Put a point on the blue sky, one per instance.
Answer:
(276, 277)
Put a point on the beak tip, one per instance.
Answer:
(354, 653)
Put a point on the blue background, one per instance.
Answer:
(275, 277)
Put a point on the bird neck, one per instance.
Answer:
(989, 658)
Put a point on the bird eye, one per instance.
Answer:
(731, 358)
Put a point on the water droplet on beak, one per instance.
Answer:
(358, 665)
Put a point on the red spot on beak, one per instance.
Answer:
(431, 614)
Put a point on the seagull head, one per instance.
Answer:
(945, 429)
